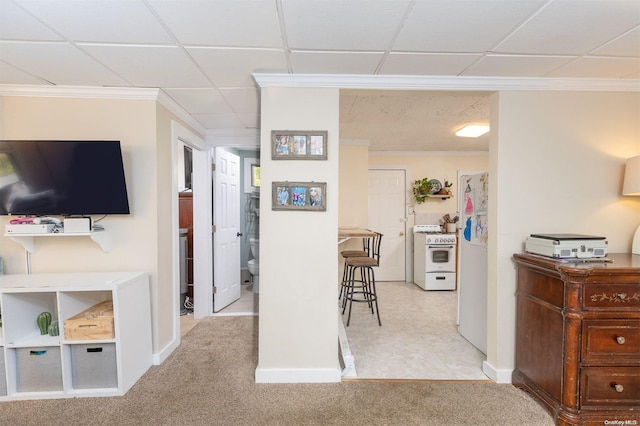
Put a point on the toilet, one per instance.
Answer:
(253, 264)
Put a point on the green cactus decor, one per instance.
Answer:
(44, 321)
(54, 329)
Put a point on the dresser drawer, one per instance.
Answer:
(610, 386)
(618, 297)
(611, 341)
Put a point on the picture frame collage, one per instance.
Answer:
(299, 196)
(299, 145)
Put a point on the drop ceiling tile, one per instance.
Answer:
(335, 62)
(461, 26)
(16, 24)
(243, 99)
(250, 121)
(219, 121)
(427, 63)
(594, 67)
(342, 25)
(516, 65)
(59, 63)
(200, 100)
(569, 27)
(222, 23)
(149, 66)
(233, 67)
(110, 21)
(626, 45)
(12, 75)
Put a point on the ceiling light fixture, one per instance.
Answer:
(473, 130)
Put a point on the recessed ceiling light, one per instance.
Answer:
(473, 130)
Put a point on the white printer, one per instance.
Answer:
(567, 246)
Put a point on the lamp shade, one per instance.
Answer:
(632, 177)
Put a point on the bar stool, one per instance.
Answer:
(365, 252)
(364, 289)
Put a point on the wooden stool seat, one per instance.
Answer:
(354, 253)
(361, 261)
(361, 290)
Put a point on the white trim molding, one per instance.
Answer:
(423, 82)
(162, 355)
(497, 375)
(298, 375)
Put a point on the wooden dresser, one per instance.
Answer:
(578, 338)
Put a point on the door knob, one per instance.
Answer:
(401, 234)
(239, 234)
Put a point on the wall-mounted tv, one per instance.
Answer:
(64, 178)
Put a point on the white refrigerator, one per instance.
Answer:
(472, 259)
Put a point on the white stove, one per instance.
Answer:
(434, 234)
(434, 254)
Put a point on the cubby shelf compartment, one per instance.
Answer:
(100, 237)
(73, 368)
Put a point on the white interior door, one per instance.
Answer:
(387, 215)
(226, 238)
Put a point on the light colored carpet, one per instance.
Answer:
(209, 380)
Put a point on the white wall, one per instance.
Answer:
(557, 161)
(298, 325)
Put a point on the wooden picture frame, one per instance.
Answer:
(299, 145)
(299, 196)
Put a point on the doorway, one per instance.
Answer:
(387, 215)
(181, 137)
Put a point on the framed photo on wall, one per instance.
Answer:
(299, 145)
(299, 196)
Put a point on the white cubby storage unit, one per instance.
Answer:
(35, 366)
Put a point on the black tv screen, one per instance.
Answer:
(67, 178)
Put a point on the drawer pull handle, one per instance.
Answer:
(618, 388)
(620, 340)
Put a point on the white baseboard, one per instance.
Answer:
(348, 359)
(160, 357)
(497, 375)
(298, 375)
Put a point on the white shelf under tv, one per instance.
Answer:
(100, 237)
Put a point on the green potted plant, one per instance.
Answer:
(422, 189)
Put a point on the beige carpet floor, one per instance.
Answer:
(209, 380)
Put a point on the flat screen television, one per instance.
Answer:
(63, 178)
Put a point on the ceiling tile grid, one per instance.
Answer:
(202, 53)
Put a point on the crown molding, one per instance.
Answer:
(167, 102)
(417, 82)
(97, 92)
(83, 92)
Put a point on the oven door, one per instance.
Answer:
(440, 258)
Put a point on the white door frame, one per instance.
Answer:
(408, 240)
(202, 219)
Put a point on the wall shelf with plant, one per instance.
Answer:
(430, 188)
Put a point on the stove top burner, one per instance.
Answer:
(434, 235)
(427, 229)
